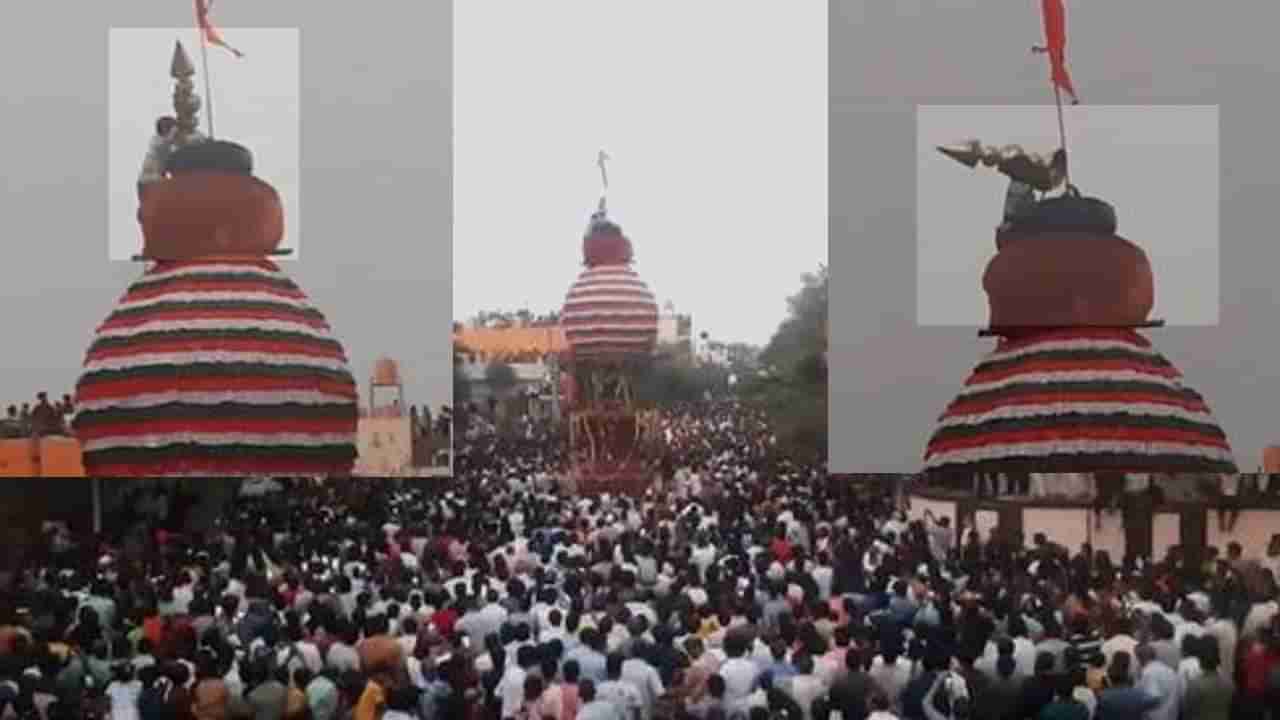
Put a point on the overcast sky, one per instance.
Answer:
(892, 378)
(1143, 160)
(715, 115)
(375, 163)
(256, 102)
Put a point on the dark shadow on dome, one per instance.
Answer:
(1069, 212)
(211, 156)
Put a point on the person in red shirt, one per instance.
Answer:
(780, 548)
(1258, 662)
(153, 628)
(444, 619)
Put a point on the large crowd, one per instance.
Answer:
(740, 584)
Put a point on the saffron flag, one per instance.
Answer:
(1055, 36)
(208, 31)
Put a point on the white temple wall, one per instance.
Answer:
(1166, 532)
(1068, 527)
(1073, 526)
(940, 509)
(1253, 530)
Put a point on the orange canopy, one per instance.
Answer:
(510, 343)
(50, 457)
(1271, 459)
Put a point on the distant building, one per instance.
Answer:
(518, 344)
(385, 447)
(531, 351)
(714, 352)
(384, 436)
(675, 332)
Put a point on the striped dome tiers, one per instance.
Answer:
(610, 313)
(1077, 400)
(216, 368)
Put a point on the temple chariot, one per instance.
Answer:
(213, 363)
(610, 320)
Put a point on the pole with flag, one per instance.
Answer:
(209, 35)
(1055, 36)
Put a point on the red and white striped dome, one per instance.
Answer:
(1078, 400)
(610, 313)
(216, 368)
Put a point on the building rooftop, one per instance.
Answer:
(507, 344)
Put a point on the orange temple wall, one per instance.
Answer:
(53, 457)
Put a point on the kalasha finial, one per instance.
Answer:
(1038, 170)
(600, 217)
(604, 243)
(186, 103)
(601, 158)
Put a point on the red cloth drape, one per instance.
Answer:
(1055, 35)
(211, 34)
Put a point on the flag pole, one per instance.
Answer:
(208, 83)
(1062, 131)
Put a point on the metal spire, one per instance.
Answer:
(186, 103)
(1040, 171)
(601, 158)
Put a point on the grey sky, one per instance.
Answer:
(1143, 160)
(892, 378)
(715, 114)
(255, 102)
(375, 168)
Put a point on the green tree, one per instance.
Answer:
(461, 390)
(666, 380)
(744, 358)
(500, 377)
(461, 387)
(791, 385)
(801, 339)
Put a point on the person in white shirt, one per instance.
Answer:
(1271, 559)
(342, 656)
(1160, 681)
(891, 673)
(646, 679)
(1121, 641)
(823, 575)
(510, 689)
(895, 525)
(879, 705)
(553, 628)
(300, 653)
(158, 151)
(703, 556)
(123, 692)
(805, 687)
(1259, 617)
(594, 707)
(739, 672)
(1189, 667)
(621, 693)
